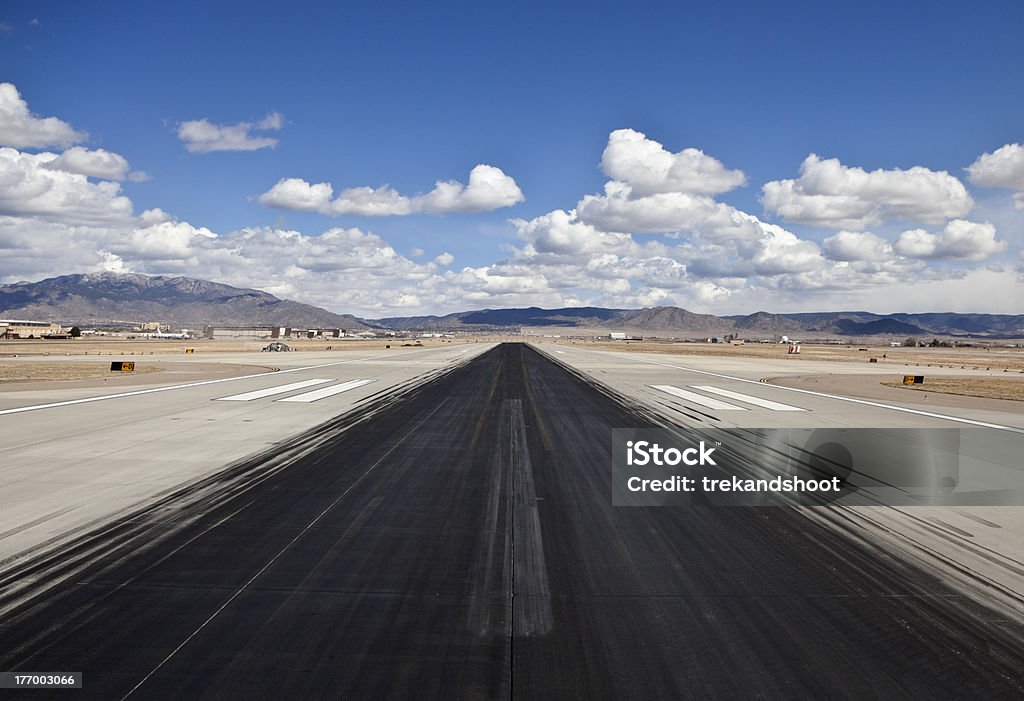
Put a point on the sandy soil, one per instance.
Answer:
(125, 346)
(1010, 359)
(26, 363)
(990, 387)
(48, 371)
(888, 388)
(38, 376)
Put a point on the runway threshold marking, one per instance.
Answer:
(271, 391)
(152, 390)
(839, 397)
(699, 399)
(756, 401)
(324, 392)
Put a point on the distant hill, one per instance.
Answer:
(674, 321)
(848, 327)
(505, 318)
(942, 324)
(111, 298)
(968, 324)
(534, 316)
(665, 319)
(763, 323)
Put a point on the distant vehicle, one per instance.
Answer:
(276, 346)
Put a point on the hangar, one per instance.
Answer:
(20, 328)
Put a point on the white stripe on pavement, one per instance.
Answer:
(697, 398)
(852, 400)
(151, 390)
(756, 401)
(270, 391)
(324, 392)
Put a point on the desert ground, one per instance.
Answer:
(25, 362)
(977, 358)
(994, 371)
(991, 372)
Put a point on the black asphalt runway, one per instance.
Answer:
(459, 542)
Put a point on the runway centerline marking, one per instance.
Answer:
(756, 401)
(699, 399)
(271, 391)
(324, 392)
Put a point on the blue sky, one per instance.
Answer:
(407, 95)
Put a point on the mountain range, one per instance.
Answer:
(673, 321)
(118, 298)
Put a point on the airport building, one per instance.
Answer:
(284, 332)
(216, 332)
(303, 332)
(18, 328)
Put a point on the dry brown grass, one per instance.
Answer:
(41, 371)
(1011, 359)
(987, 387)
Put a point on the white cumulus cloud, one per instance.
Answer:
(857, 246)
(298, 195)
(1003, 168)
(655, 235)
(959, 240)
(204, 136)
(94, 164)
(29, 187)
(561, 233)
(22, 129)
(830, 194)
(489, 188)
(169, 241)
(630, 157)
(619, 210)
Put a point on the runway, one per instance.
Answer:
(457, 540)
(75, 457)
